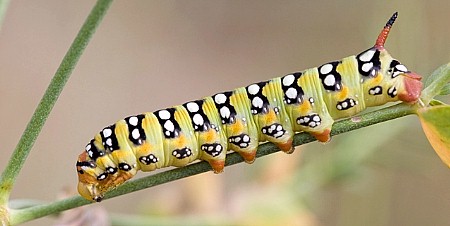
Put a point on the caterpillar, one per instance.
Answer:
(274, 110)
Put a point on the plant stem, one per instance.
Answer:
(48, 100)
(364, 120)
(3, 6)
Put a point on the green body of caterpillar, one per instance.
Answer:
(239, 120)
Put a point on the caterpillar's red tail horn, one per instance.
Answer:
(385, 32)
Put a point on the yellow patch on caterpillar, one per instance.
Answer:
(305, 107)
(181, 141)
(210, 136)
(237, 127)
(343, 93)
(271, 116)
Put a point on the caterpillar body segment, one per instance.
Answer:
(238, 120)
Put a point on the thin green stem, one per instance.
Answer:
(3, 7)
(364, 120)
(48, 100)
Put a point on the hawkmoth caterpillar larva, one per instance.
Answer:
(239, 120)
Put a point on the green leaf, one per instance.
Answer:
(436, 83)
(445, 90)
(436, 126)
(436, 103)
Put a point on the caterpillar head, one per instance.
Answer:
(88, 186)
(385, 79)
(94, 181)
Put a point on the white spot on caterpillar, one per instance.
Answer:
(107, 132)
(88, 147)
(375, 90)
(198, 119)
(126, 167)
(288, 80)
(344, 104)
(225, 112)
(329, 80)
(316, 118)
(135, 134)
(325, 69)
(101, 177)
(237, 139)
(192, 107)
(164, 114)
(367, 56)
(279, 134)
(257, 102)
(279, 128)
(109, 142)
(133, 121)
(220, 98)
(168, 125)
(393, 91)
(372, 73)
(401, 68)
(291, 93)
(253, 89)
(367, 66)
(246, 138)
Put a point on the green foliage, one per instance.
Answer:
(435, 118)
(436, 84)
(436, 125)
